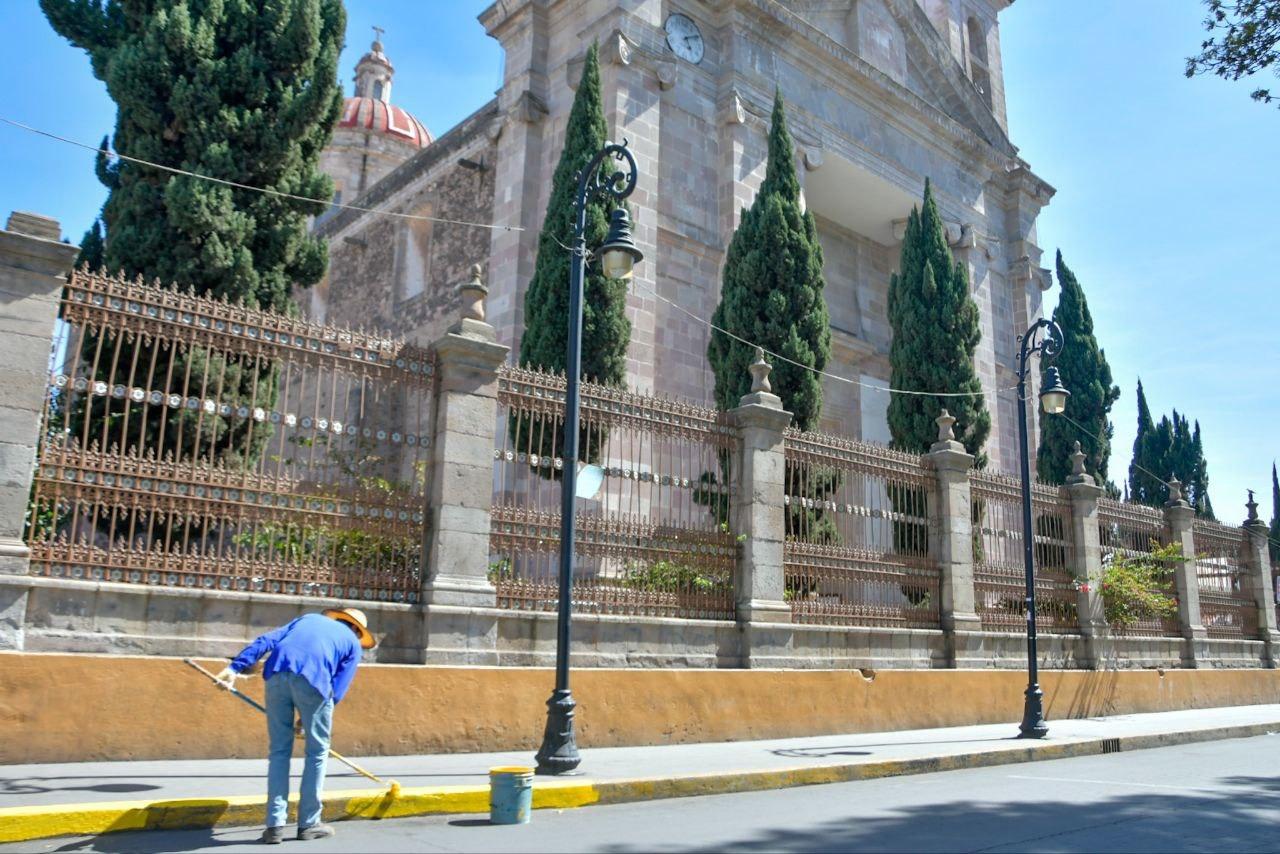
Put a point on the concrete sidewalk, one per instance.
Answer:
(47, 800)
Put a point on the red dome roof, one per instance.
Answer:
(381, 117)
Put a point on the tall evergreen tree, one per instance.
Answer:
(242, 91)
(92, 247)
(1170, 448)
(772, 291)
(772, 294)
(935, 332)
(606, 332)
(1198, 473)
(1275, 517)
(1145, 483)
(1084, 369)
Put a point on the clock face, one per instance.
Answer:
(684, 38)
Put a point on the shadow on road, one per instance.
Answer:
(1241, 818)
(164, 843)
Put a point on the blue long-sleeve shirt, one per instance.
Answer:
(318, 648)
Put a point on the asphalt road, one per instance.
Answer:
(1213, 796)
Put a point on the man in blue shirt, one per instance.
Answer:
(311, 662)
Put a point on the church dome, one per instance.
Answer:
(372, 137)
(363, 112)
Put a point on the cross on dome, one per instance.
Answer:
(374, 72)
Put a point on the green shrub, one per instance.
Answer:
(672, 577)
(1133, 588)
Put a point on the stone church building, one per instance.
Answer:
(881, 94)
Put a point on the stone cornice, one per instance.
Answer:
(502, 13)
(772, 15)
(37, 254)
(442, 150)
(915, 24)
(894, 103)
(1023, 180)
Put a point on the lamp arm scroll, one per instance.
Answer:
(1044, 337)
(617, 184)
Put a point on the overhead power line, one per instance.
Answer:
(239, 186)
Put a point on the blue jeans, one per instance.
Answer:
(285, 693)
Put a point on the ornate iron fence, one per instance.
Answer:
(190, 442)
(655, 541)
(1132, 530)
(1227, 606)
(999, 574)
(857, 548)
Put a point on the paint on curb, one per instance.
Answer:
(20, 824)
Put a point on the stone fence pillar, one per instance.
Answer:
(460, 489)
(1178, 520)
(1087, 563)
(34, 264)
(952, 514)
(1258, 563)
(759, 508)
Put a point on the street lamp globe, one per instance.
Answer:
(1053, 397)
(618, 254)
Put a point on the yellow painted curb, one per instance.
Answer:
(20, 824)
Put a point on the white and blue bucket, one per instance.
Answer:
(510, 794)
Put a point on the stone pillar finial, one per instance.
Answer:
(1252, 507)
(473, 292)
(760, 370)
(945, 421)
(1175, 492)
(1077, 461)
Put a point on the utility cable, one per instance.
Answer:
(1086, 431)
(263, 190)
(827, 374)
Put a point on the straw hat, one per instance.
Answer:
(355, 618)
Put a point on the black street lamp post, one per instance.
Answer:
(1043, 337)
(559, 751)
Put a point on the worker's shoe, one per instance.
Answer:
(315, 831)
(272, 836)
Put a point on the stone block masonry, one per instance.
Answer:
(719, 540)
(33, 262)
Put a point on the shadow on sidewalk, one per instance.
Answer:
(858, 749)
(17, 786)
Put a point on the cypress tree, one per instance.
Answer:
(935, 332)
(772, 291)
(606, 331)
(1170, 448)
(242, 91)
(92, 246)
(772, 294)
(1144, 486)
(1275, 517)
(1084, 369)
(1198, 474)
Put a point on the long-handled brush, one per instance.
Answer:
(393, 788)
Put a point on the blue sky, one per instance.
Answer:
(1165, 207)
